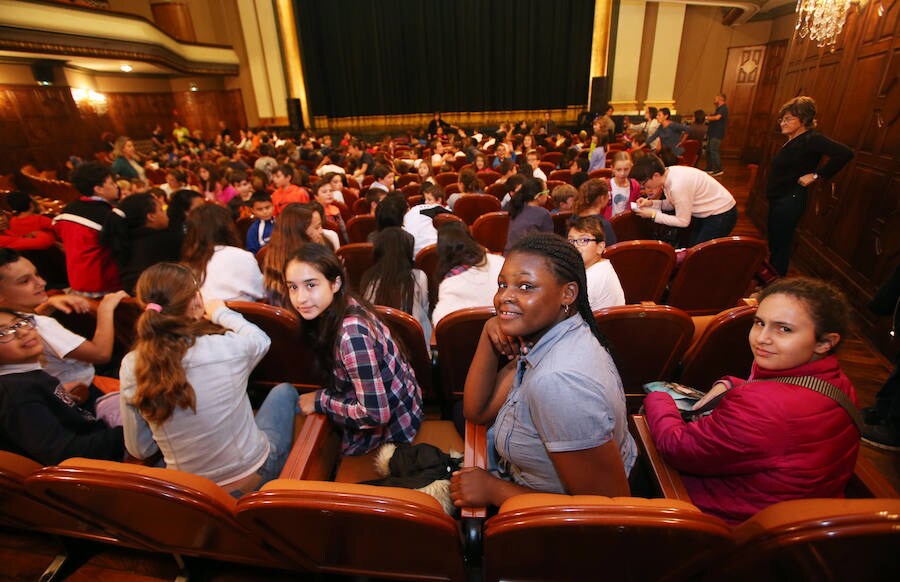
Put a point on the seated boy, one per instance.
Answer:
(260, 230)
(27, 228)
(69, 357)
(38, 416)
(563, 198)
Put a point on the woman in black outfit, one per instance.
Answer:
(794, 168)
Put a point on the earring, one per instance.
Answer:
(566, 309)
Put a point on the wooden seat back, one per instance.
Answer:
(357, 259)
(161, 509)
(646, 341)
(715, 274)
(816, 539)
(721, 350)
(643, 267)
(356, 529)
(290, 357)
(491, 229)
(457, 337)
(471, 206)
(21, 510)
(587, 535)
(404, 327)
(359, 227)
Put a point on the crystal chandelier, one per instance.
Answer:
(822, 20)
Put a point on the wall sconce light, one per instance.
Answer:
(90, 100)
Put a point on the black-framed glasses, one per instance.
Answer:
(581, 242)
(8, 333)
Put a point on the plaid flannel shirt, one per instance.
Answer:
(375, 396)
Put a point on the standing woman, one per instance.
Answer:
(184, 387)
(372, 392)
(213, 251)
(794, 168)
(558, 408)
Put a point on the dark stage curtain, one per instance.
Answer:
(384, 57)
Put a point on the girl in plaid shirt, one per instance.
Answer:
(372, 393)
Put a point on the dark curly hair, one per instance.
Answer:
(826, 304)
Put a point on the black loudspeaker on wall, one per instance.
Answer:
(599, 94)
(43, 72)
(294, 114)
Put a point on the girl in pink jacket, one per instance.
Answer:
(769, 440)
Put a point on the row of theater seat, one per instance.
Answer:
(648, 343)
(313, 520)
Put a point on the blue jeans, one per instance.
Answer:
(715, 226)
(713, 161)
(276, 419)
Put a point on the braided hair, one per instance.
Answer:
(567, 265)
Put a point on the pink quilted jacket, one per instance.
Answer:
(765, 442)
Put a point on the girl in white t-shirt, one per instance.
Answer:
(213, 251)
(603, 286)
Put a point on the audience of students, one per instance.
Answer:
(184, 384)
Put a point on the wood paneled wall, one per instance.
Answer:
(743, 70)
(43, 126)
(850, 233)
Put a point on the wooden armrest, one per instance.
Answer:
(751, 301)
(648, 303)
(666, 478)
(315, 452)
(867, 481)
(472, 518)
(475, 456)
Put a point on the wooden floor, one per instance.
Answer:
(24, 556)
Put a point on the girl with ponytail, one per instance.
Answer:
(558, 407)
(184, 387)
(527, 213)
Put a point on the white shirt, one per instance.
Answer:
(420, 303)
(539, 174)
(221, 441)
(420, 226)
(475, 287)
(691, 192)
(232, 274)
(58, 342)
(603, 286)
(330, 168)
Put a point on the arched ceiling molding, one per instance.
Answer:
(54, 29)
(749, 8)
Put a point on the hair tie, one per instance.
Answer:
(153, 307)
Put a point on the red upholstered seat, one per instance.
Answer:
(643, 268)
(716, 274)
(491, 229)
